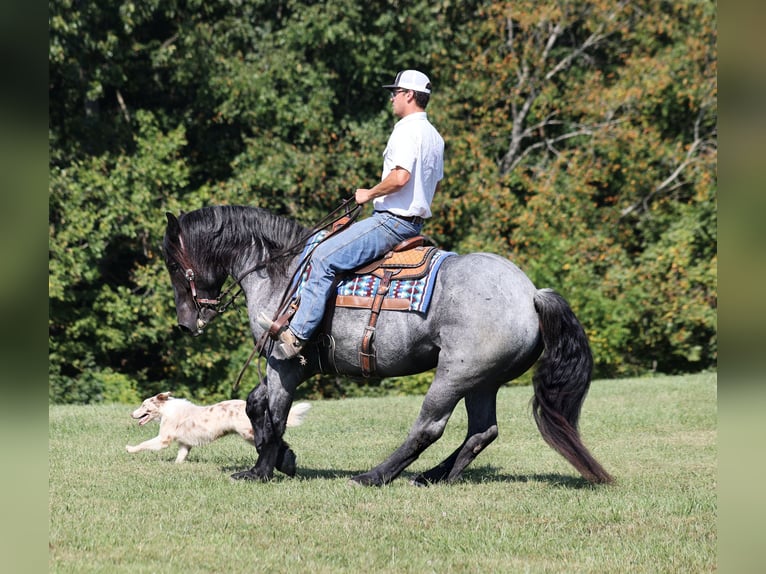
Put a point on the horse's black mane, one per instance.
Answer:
(214, 235)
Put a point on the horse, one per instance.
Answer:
(487, 324)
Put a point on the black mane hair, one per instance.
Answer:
(213, 235)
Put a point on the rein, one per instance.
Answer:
(328, 221)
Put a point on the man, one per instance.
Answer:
(412, 168)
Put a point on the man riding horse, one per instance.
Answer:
(413, 165)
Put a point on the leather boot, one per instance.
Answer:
(291, 345)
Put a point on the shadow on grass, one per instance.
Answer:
(492, 474)
(479, 475)
(302, 473)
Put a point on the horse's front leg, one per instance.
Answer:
(269, 423)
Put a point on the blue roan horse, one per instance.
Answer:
(487, 324)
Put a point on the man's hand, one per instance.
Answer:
(362, 196)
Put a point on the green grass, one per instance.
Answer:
(519, 508)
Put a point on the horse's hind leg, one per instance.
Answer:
(439, 402)
(482, 430)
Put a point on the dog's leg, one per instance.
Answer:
(156, 443)
(183, 451)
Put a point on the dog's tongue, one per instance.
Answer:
(143, 420)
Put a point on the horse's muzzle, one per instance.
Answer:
(194, 326)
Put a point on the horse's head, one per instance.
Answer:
(196, 289)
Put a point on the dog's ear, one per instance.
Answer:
(163, 396)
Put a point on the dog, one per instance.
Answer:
(192, 425)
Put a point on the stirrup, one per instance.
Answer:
(291, 346)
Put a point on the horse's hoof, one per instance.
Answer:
(420, 481)
(287, 464)
(364, 480)
(249, 475)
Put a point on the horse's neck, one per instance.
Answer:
(250, 269)
(262, 289)
(248, 263)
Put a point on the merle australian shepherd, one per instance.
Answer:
(192, 425)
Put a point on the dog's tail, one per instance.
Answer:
(297, 413)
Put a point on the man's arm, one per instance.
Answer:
(393, 182)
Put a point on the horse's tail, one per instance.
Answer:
(561, 382)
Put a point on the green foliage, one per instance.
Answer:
(581, 143)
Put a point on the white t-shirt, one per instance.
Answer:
(416, 146)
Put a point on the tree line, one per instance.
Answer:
(580, 142)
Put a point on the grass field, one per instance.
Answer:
(519, 508)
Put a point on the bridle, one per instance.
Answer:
(215, 307)
(216, 304)
(200, 302)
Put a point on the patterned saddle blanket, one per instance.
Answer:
(411, 273)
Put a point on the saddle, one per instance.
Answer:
(410, 259)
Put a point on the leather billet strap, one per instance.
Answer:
(367, 358)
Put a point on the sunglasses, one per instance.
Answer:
(395, 92)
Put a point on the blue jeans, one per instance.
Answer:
(363, 242)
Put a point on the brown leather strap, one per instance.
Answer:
(360, 302)
(281, 322)
(411, 243)
(367, 359)
(339, 225)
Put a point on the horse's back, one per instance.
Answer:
(481, 316)
(488, 284)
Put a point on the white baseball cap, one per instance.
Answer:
(412, 80)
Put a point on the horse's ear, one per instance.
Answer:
(174, 228)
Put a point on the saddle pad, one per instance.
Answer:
(403, 294)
